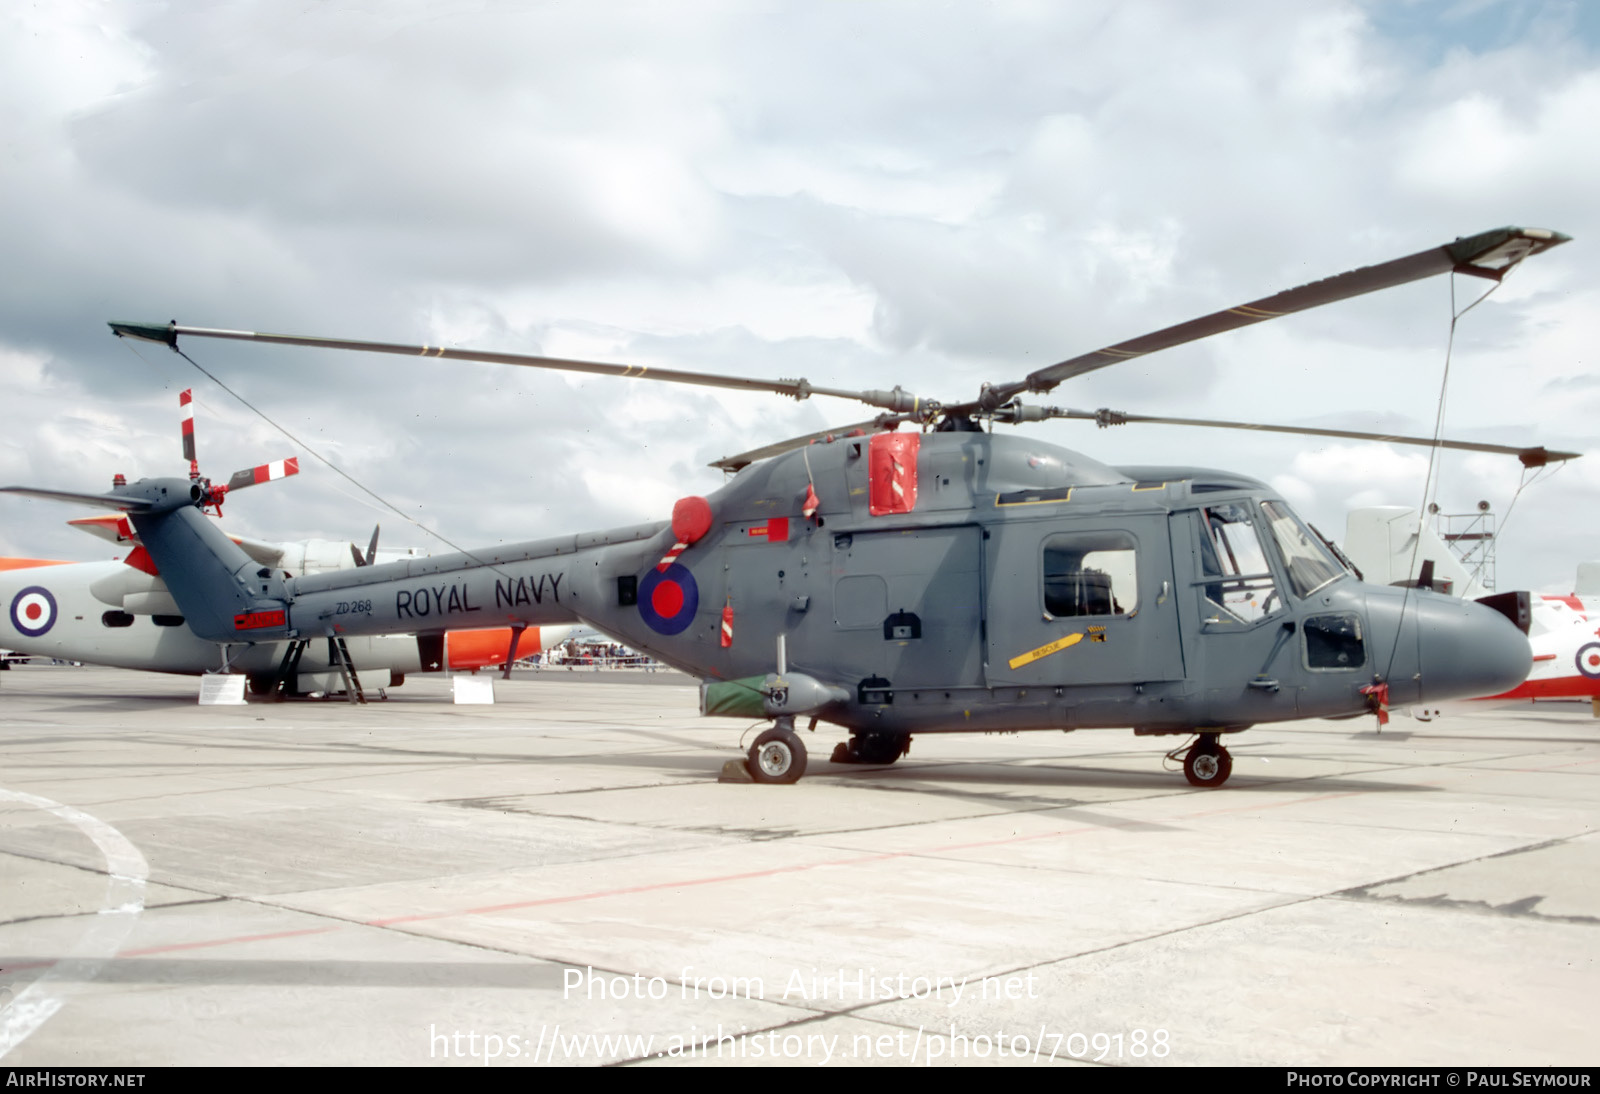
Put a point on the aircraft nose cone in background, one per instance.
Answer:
(1447, 648)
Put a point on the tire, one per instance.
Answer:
(878, 748)
(1207, 765)
(778, 756)
(261, 683)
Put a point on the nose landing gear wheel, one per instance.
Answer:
(1207, 763)
(778, 756)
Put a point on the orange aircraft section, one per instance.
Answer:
(29, 563)
(487, 648)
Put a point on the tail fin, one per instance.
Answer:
(224, 594)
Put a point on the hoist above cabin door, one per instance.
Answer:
(1082, 602)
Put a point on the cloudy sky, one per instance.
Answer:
(863, 194)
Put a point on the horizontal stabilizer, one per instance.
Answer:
(112, 529)
(268, 554)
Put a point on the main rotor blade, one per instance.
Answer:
(1490, 254)
(1537, 456)
(167, 333)
(118, 502)
(778, 448)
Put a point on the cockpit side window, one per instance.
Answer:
(1238, 581)
(1090, 573)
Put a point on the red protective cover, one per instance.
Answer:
(691, 519)
(892, 472)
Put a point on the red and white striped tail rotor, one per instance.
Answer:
(266, 472)
(186, 427)
(250, 476)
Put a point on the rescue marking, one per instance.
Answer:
(1045, 651)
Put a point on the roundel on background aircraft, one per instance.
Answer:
(1588, 660)
(33, 611)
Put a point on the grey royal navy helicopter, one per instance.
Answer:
(941, 579)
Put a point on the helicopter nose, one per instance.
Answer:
(1445, 648)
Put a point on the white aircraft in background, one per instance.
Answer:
(118, 613)
(115, 614)
(1564, 631)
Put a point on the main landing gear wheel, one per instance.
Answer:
(871, 748)
(1207, 763)
(778, 756)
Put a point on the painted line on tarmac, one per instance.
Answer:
(1257, 807)
(175, 946)
(126, 872)
(684, 883)
(801, 867)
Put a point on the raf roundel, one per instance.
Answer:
(1589, 660)
(33, 611)
(668, 599)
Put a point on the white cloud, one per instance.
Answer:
(863, 195)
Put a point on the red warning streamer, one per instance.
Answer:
(1378, 699)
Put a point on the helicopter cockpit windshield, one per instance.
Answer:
(1236, 572)
(1306, 559)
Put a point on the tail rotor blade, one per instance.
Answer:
(267, 472)
(186, 427)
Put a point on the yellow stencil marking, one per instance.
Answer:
(1045, 651)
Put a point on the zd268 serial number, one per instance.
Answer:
(345, 607)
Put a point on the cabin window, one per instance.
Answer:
(116, 619)
(1333, 642)
(1238, 582)
(167, 620)
(1090, 573)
